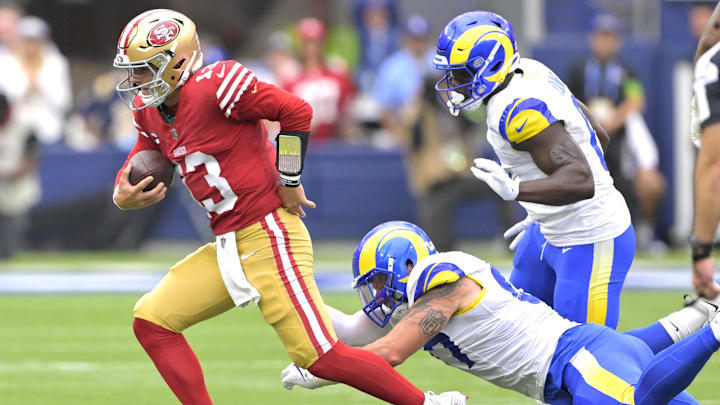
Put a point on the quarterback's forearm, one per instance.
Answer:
(707, 185)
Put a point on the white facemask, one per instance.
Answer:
(457, 98)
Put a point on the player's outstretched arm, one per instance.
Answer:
(355, 329)
(555, 153)
(129, 197)
(425, 318)
(707, 211)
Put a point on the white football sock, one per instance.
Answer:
(683, 323)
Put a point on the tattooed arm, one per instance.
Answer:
(557, 155)
(427, 316)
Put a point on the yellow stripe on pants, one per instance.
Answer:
(601, 379)
(599, 281)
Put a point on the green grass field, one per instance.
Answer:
(79, 349)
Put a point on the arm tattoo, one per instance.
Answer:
(434, 319)
(424, 301)
(562, 154)
(432, 322)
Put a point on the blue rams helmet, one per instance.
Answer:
(385, 251)
(476, 50)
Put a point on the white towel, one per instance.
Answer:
(239, 288)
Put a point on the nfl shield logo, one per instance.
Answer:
(173, 132)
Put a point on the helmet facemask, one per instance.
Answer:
(152, 93)
(380, 298)
(472, 87)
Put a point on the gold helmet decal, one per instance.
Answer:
(163, 33)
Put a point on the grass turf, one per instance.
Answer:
(73, 349)
(328, 254)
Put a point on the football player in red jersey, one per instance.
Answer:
(207, 121)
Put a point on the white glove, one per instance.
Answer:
(497, 178)
(519, 230)
(293, 375)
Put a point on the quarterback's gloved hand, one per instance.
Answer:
(519, 230)
(293, 375)
(497, 178)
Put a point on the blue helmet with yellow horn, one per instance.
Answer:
(380, 266)
(476, 50)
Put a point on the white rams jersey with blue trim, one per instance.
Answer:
(534, 99)
(507, 338)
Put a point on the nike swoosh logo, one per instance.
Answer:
(254, 90)
(221, 73)
(245, 257)
(521, 126)
(565, 249)
(676, 328)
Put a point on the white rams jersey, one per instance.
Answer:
(534, 99)
(506, 337)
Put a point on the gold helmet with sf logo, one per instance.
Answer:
(163, 41)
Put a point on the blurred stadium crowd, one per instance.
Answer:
(365, 67)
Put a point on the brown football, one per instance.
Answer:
(151, 163)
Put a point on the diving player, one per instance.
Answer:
(208, 122)
(462, 310)
(578, 243)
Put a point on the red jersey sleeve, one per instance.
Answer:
(240, 95)
(144, 142)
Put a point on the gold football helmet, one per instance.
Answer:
(164, 41)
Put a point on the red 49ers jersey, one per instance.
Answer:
(219, 144)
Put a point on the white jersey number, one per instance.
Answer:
(213, 179)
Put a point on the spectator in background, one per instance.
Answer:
(19, 180)
(376, 22)
(439, 149)
(281, 67)
(10, 15)
(399, 80)
(616, 99)
(213, 50)
(697, 20)
(36, 78)
(101, 118)
(326, 90)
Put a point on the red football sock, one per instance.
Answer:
(175, 361)
(367, 372)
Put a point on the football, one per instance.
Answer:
(151, 163)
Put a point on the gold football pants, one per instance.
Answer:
(278, 260)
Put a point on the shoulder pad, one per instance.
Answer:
(433, 275)
(524, 118)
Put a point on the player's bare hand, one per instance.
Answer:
(293, 199)
(129, 197)
(703, 281)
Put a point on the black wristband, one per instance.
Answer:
(700, 250)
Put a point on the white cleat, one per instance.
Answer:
(708, 307)
(446, 398)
